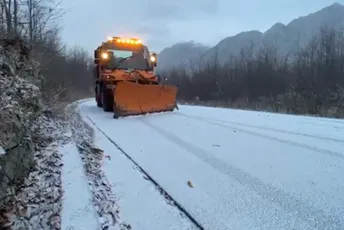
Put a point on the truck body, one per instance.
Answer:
(125, 80)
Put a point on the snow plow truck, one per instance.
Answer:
(125, 79)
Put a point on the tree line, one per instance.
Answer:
(67, 71)
(309, 81)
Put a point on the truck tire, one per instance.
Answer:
(98, 99)
(107, 99)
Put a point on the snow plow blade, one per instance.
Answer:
(136, 99)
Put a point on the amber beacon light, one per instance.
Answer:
(133, 41)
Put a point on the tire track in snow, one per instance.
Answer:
(332, 121)
(259, 127)
(297, 207)
(288, 142)
(148, 177)
(323, 124)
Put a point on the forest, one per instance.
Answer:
(67, 71)
(309, 81)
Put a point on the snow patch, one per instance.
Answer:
(103, 198)
(78, 211)
(142, 204)
(2, 150)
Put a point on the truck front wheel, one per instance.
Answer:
(107, 99)
(97, 95)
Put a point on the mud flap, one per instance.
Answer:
(135, 99)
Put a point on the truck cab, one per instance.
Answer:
(120, 59)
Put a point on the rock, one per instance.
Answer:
(16, 164)
(10, 129)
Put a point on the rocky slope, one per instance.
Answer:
(29, 179)
(20, 104)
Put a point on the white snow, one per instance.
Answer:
(77, 210)
(249, 170)
(141, 204)
(2, 150)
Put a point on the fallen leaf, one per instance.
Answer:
(22, 211)
(190, 184)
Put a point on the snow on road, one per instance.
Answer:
(78, 210)
(141, 204)
(249, 170)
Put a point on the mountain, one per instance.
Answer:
(180, 53)
(233, 45)
(285, 38)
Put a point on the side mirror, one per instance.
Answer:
(110, 55)
(96, 56)
(111, 61)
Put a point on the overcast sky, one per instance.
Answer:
(163, 23)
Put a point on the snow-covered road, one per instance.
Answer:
(248, 170)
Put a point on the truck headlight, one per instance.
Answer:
(105, 55)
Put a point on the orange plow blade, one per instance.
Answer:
(135, 99)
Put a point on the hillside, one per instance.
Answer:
(285, 37)
(180, 53)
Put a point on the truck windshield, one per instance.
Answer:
(129, 60)
(121, 53)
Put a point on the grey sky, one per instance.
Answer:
(163, 23)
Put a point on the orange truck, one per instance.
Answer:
(125, 80)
